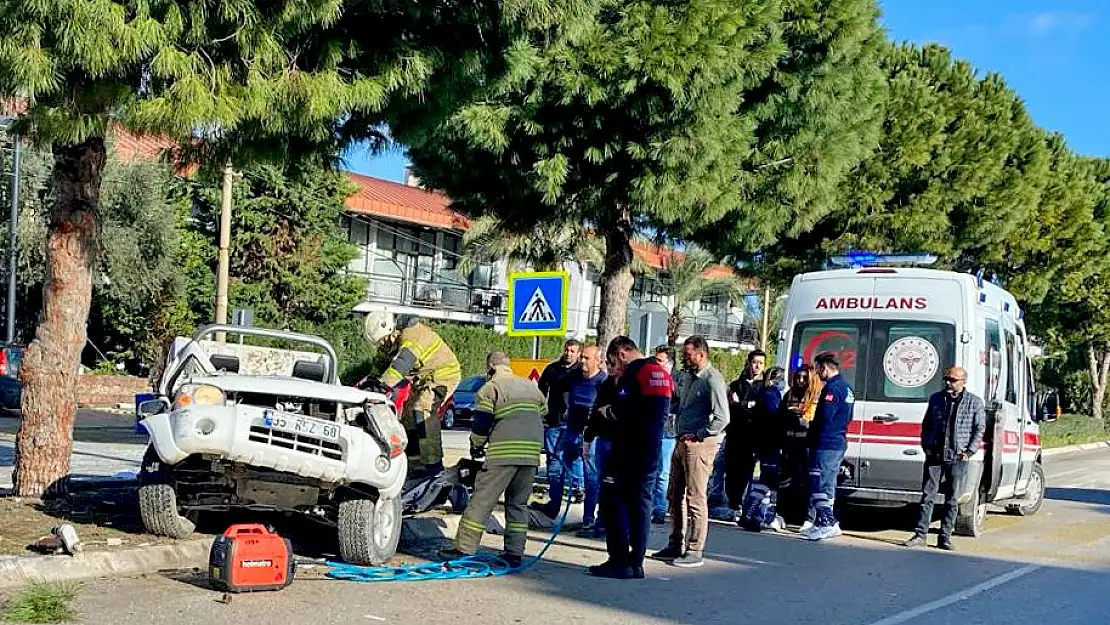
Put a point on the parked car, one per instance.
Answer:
(458, 410)
(11, 388)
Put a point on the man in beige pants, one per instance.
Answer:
(702, 415)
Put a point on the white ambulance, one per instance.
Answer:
(895, 331)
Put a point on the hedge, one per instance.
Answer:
(471, 343)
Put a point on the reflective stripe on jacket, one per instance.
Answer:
(423, 356)
(508, 421)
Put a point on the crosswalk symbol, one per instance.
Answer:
(537, 303)
(537, 309)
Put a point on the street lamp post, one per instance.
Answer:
(13, 228)
(13, 239)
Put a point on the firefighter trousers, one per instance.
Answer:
(420, 419)
(516, 483)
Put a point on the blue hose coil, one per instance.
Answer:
(470, 567)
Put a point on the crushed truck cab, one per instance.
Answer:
(268, 429)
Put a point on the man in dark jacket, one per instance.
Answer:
(950, 435)
(643, 401)
(828, 442)
(554, 383)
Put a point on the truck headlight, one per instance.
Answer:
(199, 395)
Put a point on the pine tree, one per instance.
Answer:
(959, 168)
(229, 79)
(665, 115)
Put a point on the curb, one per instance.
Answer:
(1058, 451)
(18, 571)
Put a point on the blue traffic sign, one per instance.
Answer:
(538, 303)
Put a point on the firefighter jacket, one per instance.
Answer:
(423, 357)
(507, 420)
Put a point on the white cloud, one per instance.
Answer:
(1053, 22)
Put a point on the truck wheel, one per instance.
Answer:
(1033, 499)
(158, 508)
(972, 516)
(369, 530)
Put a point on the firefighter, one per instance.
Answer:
(426, 363)
(508, 432)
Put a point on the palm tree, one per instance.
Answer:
(548, 247)
(688, 278)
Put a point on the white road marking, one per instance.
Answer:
(963, 595)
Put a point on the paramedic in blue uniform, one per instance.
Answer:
(828, 442)
(644, 391)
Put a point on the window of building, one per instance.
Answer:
(452, 244)
(358, 234)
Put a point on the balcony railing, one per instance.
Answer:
(431, 294)
(721, 331)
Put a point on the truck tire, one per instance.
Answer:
(369, 530)
(972, 516)
(1033, 499)
(158, 509)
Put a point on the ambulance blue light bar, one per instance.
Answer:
(873, 259)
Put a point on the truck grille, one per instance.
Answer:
(295, 442)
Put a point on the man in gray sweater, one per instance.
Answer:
(702, 414)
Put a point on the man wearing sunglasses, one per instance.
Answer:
(950, 435)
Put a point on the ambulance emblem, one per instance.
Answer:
(911, 362)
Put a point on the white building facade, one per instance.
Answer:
(410, 243)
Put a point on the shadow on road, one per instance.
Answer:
(1079, 495)
(855, 583)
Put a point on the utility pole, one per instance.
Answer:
(766, 316)
(225, 251)
(13, 239)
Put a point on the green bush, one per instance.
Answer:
(1073, 429)
(471, 343)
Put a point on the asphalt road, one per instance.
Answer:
(1052, 567)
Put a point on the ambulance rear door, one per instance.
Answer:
(911, 340)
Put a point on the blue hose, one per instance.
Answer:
(469, 567)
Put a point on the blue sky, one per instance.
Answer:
(1056, 55)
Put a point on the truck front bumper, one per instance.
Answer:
(330, 452)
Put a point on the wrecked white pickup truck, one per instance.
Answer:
(242, 426)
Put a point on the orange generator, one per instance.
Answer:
(249, 557)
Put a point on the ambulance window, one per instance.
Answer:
(993, 346)
(840, 337)
(1011, 369)
(908, 359)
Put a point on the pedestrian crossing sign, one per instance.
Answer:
(538, 303)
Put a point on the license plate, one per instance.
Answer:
(301, 425)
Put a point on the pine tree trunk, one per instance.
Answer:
(49, 372)
(616, 278)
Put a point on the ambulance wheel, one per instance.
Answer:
(158, 509)
(369, 530)
(972, 516)
(1033, 499)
